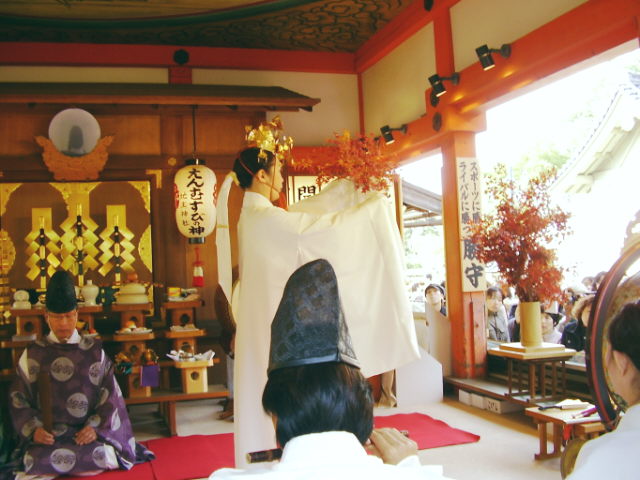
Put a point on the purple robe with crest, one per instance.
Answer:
(84, 392)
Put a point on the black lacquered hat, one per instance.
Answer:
(309, 325)
(61, 293)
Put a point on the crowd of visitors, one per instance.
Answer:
(563, 322)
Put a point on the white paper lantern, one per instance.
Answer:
(194, 198)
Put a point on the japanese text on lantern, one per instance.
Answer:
(192, 204)
(194, 191)
(469, 204)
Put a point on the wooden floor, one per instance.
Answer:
(505, 451)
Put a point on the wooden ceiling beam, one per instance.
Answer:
(118, 55)
(260, 98)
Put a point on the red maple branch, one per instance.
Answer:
(518, 235)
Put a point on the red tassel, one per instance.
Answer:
(198, 271)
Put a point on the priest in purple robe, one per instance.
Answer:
(66, 405)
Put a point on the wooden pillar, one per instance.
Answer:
(465, 310)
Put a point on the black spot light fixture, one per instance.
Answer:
(485, 57)
(433, 98)
(437, 84)
(387, 133)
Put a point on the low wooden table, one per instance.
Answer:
(536, 364)
(166, 400)
(587, 426)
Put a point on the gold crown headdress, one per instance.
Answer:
(269, 136)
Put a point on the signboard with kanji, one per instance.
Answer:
(469, 203)
(300, 187)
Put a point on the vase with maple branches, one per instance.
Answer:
(518, 237)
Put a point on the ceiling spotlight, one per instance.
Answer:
(485, 57)
(387, 133)
(433, 98)
(437, 85)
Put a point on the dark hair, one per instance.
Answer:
(317, 398)
(580, 305)
(624, 332)
(491, 292)
(249, 162)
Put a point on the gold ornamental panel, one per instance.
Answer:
(69, 225)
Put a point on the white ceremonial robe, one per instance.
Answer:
(336, 456)
(612, 455)
(360, 239)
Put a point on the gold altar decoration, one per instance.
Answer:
(116, 252)
(7, 252)
(62, 203)
(85, 167)
(143, 190)
(6, 189)
(7, 258)
(72, 244)
(157, 174)
(144, 248)
(42, 245)
(75, 193)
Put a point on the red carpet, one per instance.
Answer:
(196, 456)
(427, 432)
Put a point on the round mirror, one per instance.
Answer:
(620, 286)
(74, 132)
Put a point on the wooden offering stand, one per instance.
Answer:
(185, 339)
(29, 321)
(133, 388)
(182, 313)
(134, 312)
(86, 314)
(133, 344)
(179, 315)
(16, 347)
(194, 375)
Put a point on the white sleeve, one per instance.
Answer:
(23, 363)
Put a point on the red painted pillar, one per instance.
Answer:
(465, 309)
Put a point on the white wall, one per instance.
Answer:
(394, 87)
(337, 110)
(494, 22)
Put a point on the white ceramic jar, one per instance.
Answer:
(89, 292)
